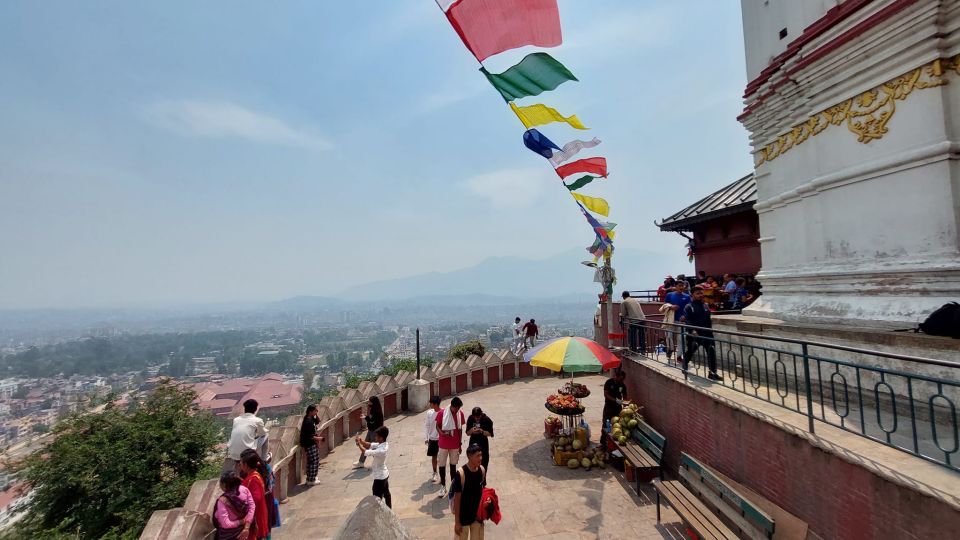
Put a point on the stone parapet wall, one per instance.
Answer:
(340, 419)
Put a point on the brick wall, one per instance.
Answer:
(837, 498)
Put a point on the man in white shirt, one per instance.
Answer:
(378, 451)
(248, 433)
(431, 435)
(517, 335)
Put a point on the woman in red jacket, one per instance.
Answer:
(253, 471)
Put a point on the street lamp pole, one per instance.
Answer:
(418, 354)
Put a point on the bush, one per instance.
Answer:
(105, 473)
(464, 350)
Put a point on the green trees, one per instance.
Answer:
(105, 473)
(465, 349)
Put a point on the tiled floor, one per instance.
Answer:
(537, 498)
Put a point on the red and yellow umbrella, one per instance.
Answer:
(572, 355)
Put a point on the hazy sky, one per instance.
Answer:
(168, 152)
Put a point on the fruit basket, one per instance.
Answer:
(564, 405)
(576, 390)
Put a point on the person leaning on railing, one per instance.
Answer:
(697, 313)
(636, 340)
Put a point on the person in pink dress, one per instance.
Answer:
(234, 510)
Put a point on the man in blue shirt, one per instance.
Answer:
(697, 314)
(678, 299)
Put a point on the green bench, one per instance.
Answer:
(645, 451)
(711, 507)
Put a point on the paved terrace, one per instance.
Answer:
(538, 499)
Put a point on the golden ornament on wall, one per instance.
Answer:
(866, 114)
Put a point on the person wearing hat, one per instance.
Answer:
(480, 429)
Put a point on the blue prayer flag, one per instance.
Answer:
(539, 143)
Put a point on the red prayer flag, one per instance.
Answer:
(489, 27)
(594, 165)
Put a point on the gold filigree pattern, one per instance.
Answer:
(865, 115)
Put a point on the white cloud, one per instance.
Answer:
(223, 119)
(509, 188)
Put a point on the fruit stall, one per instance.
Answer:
(569, 433)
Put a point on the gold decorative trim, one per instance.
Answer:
(867, 114)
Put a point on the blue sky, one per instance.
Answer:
(170, 152)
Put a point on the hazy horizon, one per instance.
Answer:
(190, 154)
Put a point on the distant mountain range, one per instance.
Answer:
(512, 280)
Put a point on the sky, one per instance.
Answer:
(157, 153)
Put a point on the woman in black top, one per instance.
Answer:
(480, 429)
(309, 441)
(374, 419)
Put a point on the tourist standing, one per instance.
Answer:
(631, 309)
(253, 470)
(431, 435)
(248, 432)
(531, 333)
(310, 441)
(666, 288)
(698, 314)
(677, 300)
(378, 450)
(517, 336)
(467, 487)
(450, 423)
(374, 419)
(480, 430)
(233, 512)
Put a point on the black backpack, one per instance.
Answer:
(945, 321)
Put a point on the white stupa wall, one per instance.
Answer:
(857, 232)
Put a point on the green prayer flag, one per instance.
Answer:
(536, 73)
(580, 182)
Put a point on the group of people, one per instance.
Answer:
(524, 335)
(247, 508)
(444, 432)
(733, 292)
(689, 309)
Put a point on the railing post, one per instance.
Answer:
(682, 348)
(809, 387)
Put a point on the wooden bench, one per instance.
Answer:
(711, 507)
(645, 451)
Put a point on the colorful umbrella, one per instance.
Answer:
(572, 355)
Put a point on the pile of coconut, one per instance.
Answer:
(628, 419)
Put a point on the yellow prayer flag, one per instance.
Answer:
(539, 114)
(594, 204)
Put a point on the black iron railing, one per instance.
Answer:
(646, 295)
(906, 402)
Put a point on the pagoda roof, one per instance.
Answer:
(734, 198)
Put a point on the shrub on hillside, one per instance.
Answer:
(106, 472)
(465, 349)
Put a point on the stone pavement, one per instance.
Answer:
(537, 498)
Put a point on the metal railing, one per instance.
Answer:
(649, 295)
(906, 402)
